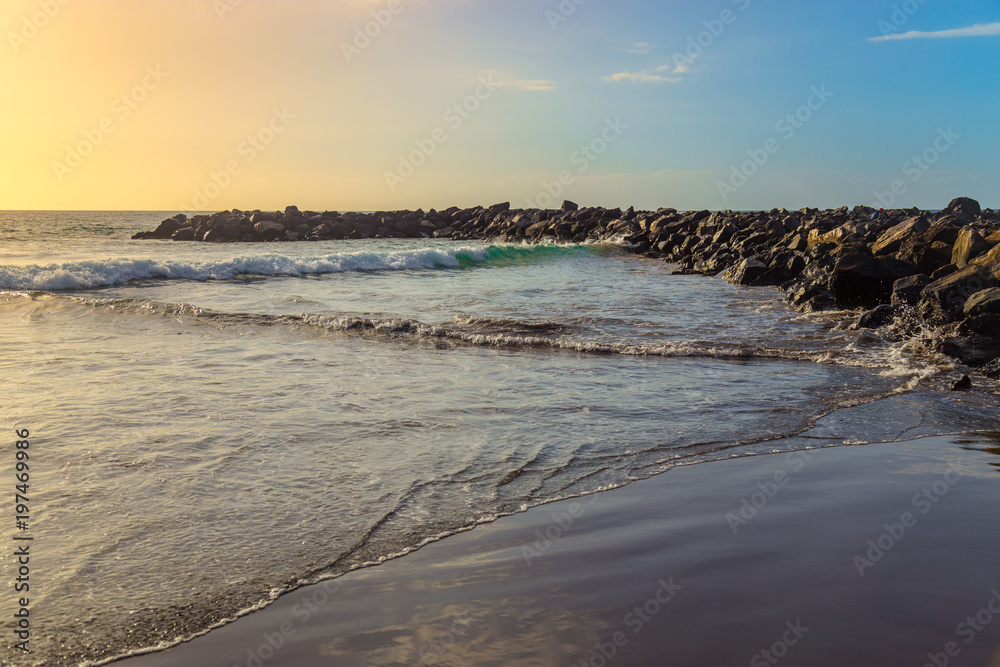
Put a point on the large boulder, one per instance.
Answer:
(270, 231)
(747, 272)
(877, 317)
(944, 299)
(972, 350)
(891, 239)
(906, 291)
(964, 207)
(862, 281)
(969, 245)
(165, 230)
(990, 261)
(981, 303)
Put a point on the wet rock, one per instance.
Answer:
(992, 369)
(962, 385)
(944, 299)
(906, 291)
(747, 272)
(183, 234)
(981, 303)
(973, 350)
(877, 317)
(862, 281)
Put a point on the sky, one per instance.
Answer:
(388, 104)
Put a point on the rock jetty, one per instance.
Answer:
(905, 271)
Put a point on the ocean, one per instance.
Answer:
(212, 425)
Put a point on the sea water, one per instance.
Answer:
(212, 425)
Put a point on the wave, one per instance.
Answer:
(470, 330)
(104, 273)
(892, 360)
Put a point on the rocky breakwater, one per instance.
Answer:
(911, 274)
(498, 221)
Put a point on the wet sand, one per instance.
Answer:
(884, 554)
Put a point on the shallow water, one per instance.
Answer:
(213, 424)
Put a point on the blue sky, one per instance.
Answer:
(558, 76)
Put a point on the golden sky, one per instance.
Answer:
(213, 104)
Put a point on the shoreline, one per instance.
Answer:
(707, 564)
(905, 271)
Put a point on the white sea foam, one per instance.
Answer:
(102, 273)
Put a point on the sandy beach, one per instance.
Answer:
(884, 554)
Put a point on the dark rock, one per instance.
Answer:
(269, 231)
(569, 206)
(962, 385)
(165, 230)
(891, 240)
(906, 291)
(862, 281)
(980, 303)
(747, 272)
(292, 211)
(498, 208)
(973, 350)
(945, 299)
(183, 234)
(992, 369)
(798, 243)
(943, 272)
(964, 207)
(969, 245)
(876, 318)
(982, 324)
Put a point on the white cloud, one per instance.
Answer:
(510, 81)
(656, 75)
(978, 30)
(644, 76)
(640, 48)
